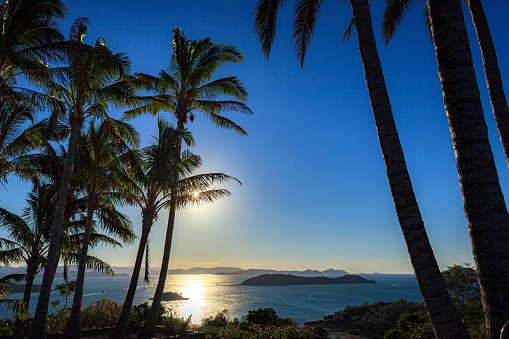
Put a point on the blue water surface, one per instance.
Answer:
(210, 294)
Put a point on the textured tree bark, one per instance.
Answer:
(29, 282)
(38, 328)
(73, 328)
(444, 316)
(492, 73)
(149, 327)
(121, 327)
(485, 208)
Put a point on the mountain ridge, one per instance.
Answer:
(222, 270)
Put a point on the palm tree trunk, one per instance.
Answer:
(444, 316)
(149, 327)
(485, 208)
(121, 327)
(492, 72)
(73, 328)
(38, 328)
(29, 282)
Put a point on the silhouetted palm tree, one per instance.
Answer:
(89, 82)
(395, 11)
(28, 238)
(184, 90)
(29, 38)
(445, 318)
(98, 161)
(484, 203)
(149, 190)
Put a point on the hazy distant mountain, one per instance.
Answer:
(306, 273)
(122, 271)
(201, 270)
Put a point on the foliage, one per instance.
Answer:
(461, 281)
(262, 316)
(175, 325)
(371, 320)
(414, 325)
(66, 289)
(265, 324)
(6, 327)
(100, 313)
(57, 320)
(140, 312)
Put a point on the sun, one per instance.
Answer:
(196, 195)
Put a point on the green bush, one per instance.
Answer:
(100, 313)
(259, 324)
(371, 320)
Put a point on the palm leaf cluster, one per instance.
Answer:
(56, 132)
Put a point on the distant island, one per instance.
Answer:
(289, 279)
(171, 296)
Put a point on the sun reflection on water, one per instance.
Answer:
(194, 289)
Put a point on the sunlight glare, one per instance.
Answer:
(194, 289)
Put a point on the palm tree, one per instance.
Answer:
(182, 189)
(483, 200)
(394, 13)
(99, 157)
(29, 38)
(13, 306)
(446, 320)
(148, 190)
(183, 90)
(17, 139)
(29, 235)
(89, 82)
(492, 72)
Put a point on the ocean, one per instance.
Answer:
(210, 294)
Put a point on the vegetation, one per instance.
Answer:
(409, 320)
(444, 316)
(483, 199)
(56, 133)
(184, 90)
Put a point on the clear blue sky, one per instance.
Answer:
(314, 193)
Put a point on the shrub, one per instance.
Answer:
(262, 316)
(100, 313)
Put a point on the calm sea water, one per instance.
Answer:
(210, 294)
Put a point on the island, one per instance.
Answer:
(289, 279)
(172, 296)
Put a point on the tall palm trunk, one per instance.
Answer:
(29, 283)
(149, 327)
(485, 208)
(38, 328)
(444, 316)
(492, 72)
(73, 328)
(121, 327)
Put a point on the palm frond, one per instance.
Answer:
(348, 31)
(304, 21)
(393, 16)
(265, 23)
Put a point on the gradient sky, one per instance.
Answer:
(315, 193)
